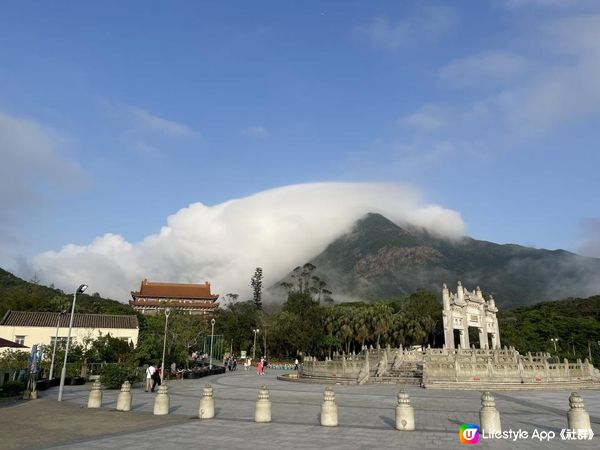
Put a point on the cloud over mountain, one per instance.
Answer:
(275, 229)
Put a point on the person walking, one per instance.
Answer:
(156, 378)
(259, 367)
(149, 376)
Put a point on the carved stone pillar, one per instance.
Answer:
(465, 332)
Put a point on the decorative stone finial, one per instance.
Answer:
(207, 403)
(577, 417)
(207, 390)
(489, 416)
(124, 397)
(575, 401)
(161, 402)
(403, 398)
(405, 415)
(263, 393)
(329, 414)
(95, 398)
(262, 413)
(488, 400)
(328, 395)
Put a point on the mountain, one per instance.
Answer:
(20, 295)
(379, 259)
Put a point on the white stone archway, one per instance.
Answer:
(465, 309)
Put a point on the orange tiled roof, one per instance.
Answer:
(150, 289)
(49, 319)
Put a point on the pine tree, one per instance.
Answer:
(256, 284)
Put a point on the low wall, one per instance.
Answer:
(486, 367)
(461, 368)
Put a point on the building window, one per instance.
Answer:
(126, 339)
(20, 340)
(61, 342)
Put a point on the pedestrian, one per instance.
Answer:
(156, 378)
(150, 376)
(296, 364)
(259, 367)
(234, 364)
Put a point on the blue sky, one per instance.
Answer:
(115, 115)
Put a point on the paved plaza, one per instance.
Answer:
(366, 418)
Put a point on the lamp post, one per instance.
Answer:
(63, 372)
(554, 341)
(212, 334)
(256, 330)
(162, 366)
(62, 313)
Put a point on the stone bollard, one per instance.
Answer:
(577, 417)
(161, 402)
(329, 413)
(489, 417)
(95, 398)
(262, 413)
(405, 414)
(124, 398)
(207, 403)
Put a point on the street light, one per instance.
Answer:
(63, 372)
(256, 330)
(162, 366)
(62, 313)
(554, 341)
(212, 334)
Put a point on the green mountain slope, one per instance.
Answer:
(575, 322)
(379, 259)
(20, 295)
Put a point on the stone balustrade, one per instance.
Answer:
(442, 366)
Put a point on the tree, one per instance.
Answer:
(256, 283)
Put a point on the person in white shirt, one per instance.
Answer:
(149, 372)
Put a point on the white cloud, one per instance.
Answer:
(30, 164)
(151, 122)
(549, 3)
(427, 24)
(257, 131)
(140, 121)
(522, 97)
(590, 244)
(487, 68)
(276, 229)
(430, 117)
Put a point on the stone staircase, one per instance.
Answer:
(408, 372)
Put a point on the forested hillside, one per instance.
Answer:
(575, 322)
(20, 295)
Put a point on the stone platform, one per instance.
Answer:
(366, 417)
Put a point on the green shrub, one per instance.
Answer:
(112, 376)
(12, 388)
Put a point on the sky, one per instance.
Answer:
(179, 140)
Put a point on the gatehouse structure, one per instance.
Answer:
(465, 309)
(153, 298)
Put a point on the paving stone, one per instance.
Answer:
(366, 417)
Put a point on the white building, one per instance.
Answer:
(29, 328)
